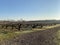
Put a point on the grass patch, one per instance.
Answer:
(58, 37)
(6, 35)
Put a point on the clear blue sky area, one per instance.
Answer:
(29, 9)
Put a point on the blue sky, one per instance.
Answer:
(29, 9)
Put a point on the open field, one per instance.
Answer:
(49, 35)
(6, 34)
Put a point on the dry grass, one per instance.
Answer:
(11, 34)
(58, 37)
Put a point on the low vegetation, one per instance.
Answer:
(58, 37)
(8, 34)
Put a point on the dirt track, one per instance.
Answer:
(43, 37)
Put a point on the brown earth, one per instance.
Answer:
(42, 37)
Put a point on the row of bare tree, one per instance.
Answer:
(22, 25)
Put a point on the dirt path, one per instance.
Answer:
(43, 37)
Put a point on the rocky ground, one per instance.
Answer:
(42, 37)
